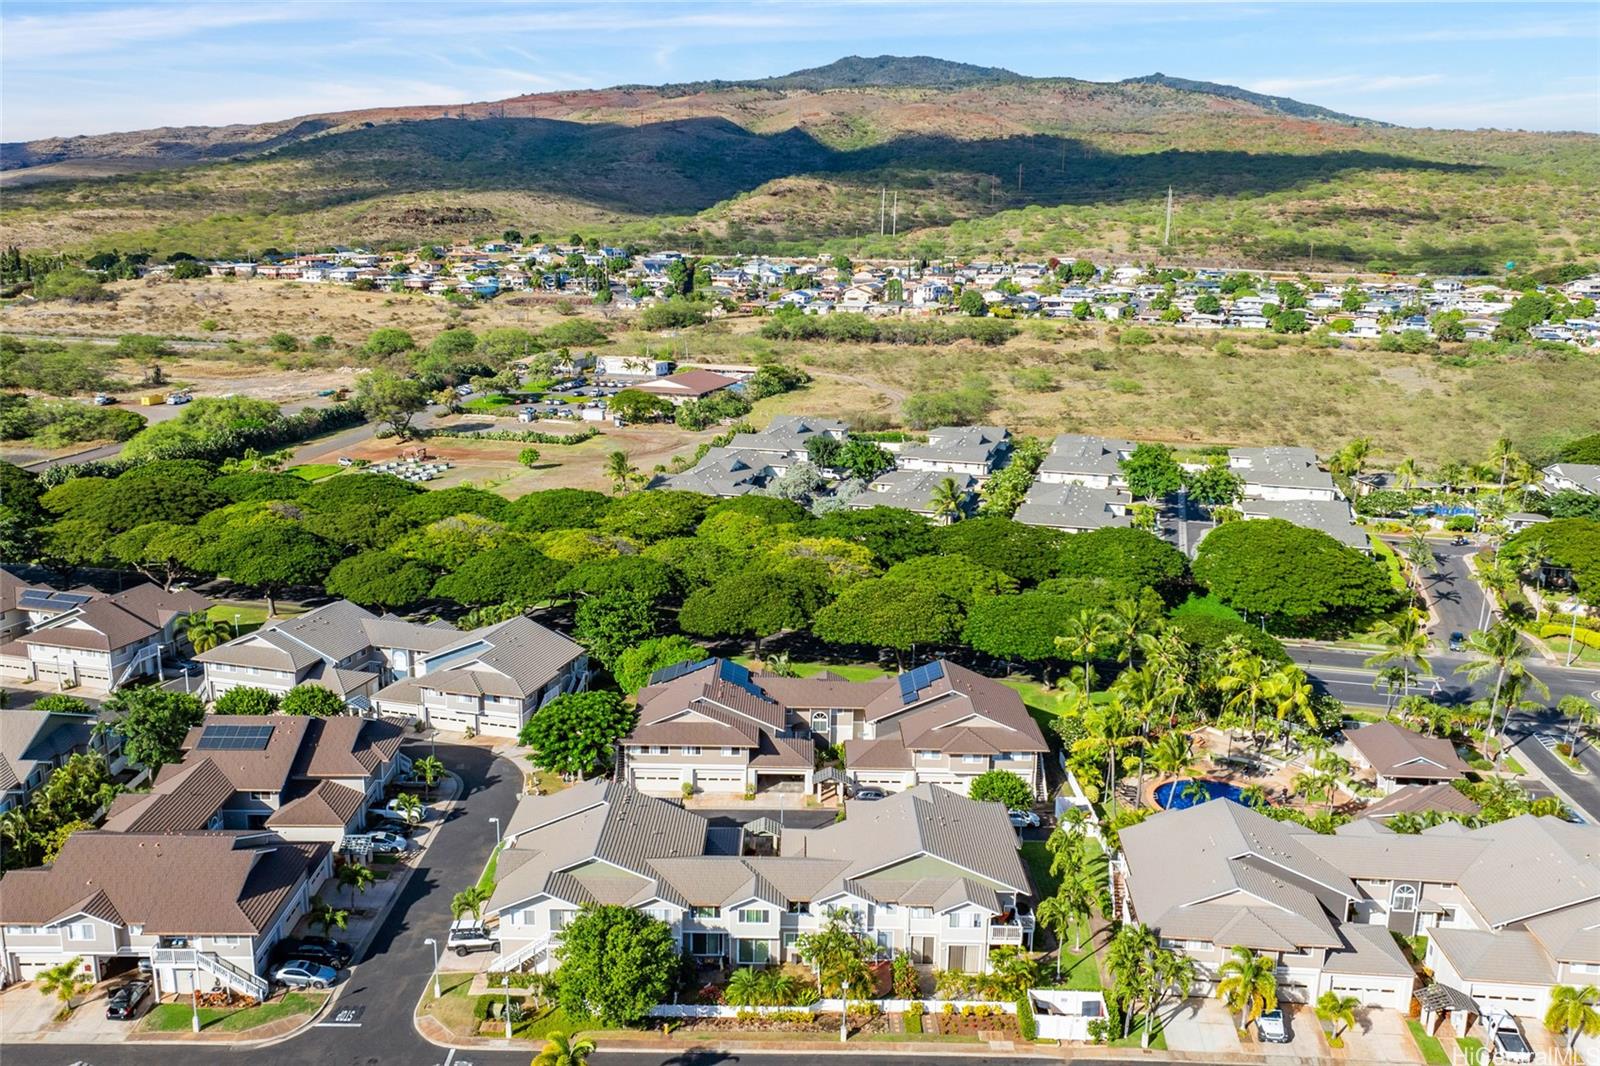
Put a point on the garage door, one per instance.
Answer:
(720, 780)
(656, 780)
(27, 971)
(1522, 1006)
(1370, 993)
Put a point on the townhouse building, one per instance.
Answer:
(913, 490)
(1073, 507)
(299, 778)
(205, 909)
(974, 450)
(1282, 473)
(488, 680)
(1401, 757)
(1093, 462)
(34, 743)
(1508, 909)
(925, 871)
(96, 641)
(24, 606)
(725, 472)
(717, 727)
(1573, 477)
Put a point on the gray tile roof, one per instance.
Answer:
(1078, 454)
(521, 651)
(1557, 865)
(1333, 517)
(1512, 957)
(28, 738)
(720, 472)
(961, 444)
(1371, 951)
(1073, 506)
(909, 490)
(1445, 798)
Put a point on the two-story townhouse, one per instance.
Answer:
(943, 724)
(105, 642)
(340, 646)
(1573, 477)
(33, 743)
(787, 438)
(1333, 517)
(1508, 910)
(1398, 756)
(204, 908)
(489, 680)
(725, 472)
(711, 725)
(1282, 473)
(1093, 462)
(926, 871)
(24, 606)
(974, 450)
(304, 779)
(1073, 508)
(915, 491)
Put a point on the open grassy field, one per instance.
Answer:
(1182, 387)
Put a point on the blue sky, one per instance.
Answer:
(73, 67)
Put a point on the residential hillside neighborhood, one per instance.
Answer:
(1204, 298)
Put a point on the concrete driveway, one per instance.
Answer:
(1202, 1025)
(1379, 1036)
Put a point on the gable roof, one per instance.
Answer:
(113, 622)
(1443, 797)
(1394, 751)
(171, 884)
(28, 738)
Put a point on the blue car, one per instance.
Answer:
(303, 973)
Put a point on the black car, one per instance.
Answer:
(319, 949)
(1458, 640)
(123, 1004)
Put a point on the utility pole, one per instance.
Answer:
(1019, 177)
(1167, 239)
(883, 201)
(993, 181)
(894, 217)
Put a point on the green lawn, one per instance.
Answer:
(1433, 1052)
(1510, 763)
(314, 471)
(176, 1017)
(486, 879)
(1471, 1049)
(247, 617)
(1158, 1042)
(490, 404)
(1080, 971)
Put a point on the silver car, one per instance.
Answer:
(303, 973)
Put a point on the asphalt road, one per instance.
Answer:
(1582, 790)
(1458, 599)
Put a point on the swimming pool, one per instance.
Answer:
(1173, 795)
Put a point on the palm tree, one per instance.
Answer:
(205, 632)
(744, 988)
(1086, 633)
(430, 769)
(1248, 983)
(561, 1050)
(1173, 755)
(1129, 618)
(1253, 795)
(947, 500)
(1291, 693)
(66, 982)
(1419, 553)
(1406, 473)
(356, 877)
(1572, 1011)
(1054, 914)
(1128, 959)
(326, 916)
(1245, 678)
(1500, 651)
(1110, 728)
(620, 471)
(470, 901)
(410, 807)
(1404, 641)
(1083, 873)
(1170, 972)
(1582, 716)
(1334, 1008)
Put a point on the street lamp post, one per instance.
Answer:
(496, 822)
(505, 982)
(194, 1000)
(844, 1010)
(434, 944)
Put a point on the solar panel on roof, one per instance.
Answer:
(676, 670)
(37, 598)
(235, 737)
(914, 681)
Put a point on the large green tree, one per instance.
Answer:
(1129, 559)
(152, 723)
(271, 556)
(634, 666)
(1025, 552)
(511, 573)
(890, 614)
(1023, 626)
(313, 701)
(1002, 786)
(391, 398)
(614, 964)
(1299, 578)
(1151, 471)
(379, 579)
(753, 603)
(613, 622)
(577, 733)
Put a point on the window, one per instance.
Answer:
(691, 749)
(80, 931)
(922, 912)
(559, 920)
(1404, 899)
(885, 909)
(703, 943)
(637, 749)
(526, 916)
(706, 912)
(799, 907)
(730, 751)
(753, 952)
(22, 930)
(955, 919)
(659, 749)
(972, 760)
(225, 941)
(754, 916)
(1586, 967)
(660, 914)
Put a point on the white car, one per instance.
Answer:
(1509, 1045)
(303, 973)
(1023, 819)
(385, 843)
(391, 812)
(468, 935)
(1273, 1027)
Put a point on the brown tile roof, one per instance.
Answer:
(349, 746)
(1444, 797)
(117, 621)
(171, 884)
(183, 800)
(823, 691)
(1397, 752)
(328, 803)
(264, 770)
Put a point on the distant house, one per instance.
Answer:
(1090, 461)
(687, 385)
(1072, 507)
(1282, 473)
(24, 606)
(787, 438)
(975, 450)
(913, 490)
(1573, 477)
(34, 743)
(100, 643)
(1333, 517)
(722, 472)
(1401, 757)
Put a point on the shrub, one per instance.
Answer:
(913, 1018)
(1027, 1024)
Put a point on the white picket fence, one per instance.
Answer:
(823, 1006)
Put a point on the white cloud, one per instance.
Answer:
(1548, 111)
(29, 37)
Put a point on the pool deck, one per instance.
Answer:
(1245, 767)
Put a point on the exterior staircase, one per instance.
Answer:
(520, 959)
(219, 969)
